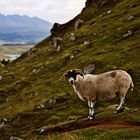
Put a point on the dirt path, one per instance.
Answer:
(111, 123)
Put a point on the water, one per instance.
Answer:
(12, 56)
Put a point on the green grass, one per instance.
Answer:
(97, 134)
(21, 89)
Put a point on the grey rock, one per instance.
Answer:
(71, 57)
(57, 41)
(42, 129)
(86, 42)
(40, 106)
(58, 48)
(5, 120)
(15, 138)
(36, 71)
(77, 24)
(129, 33)
(52, 100)
(89, 69)
(109, 12)
(2, 124)
(130, 18)
(71, 36)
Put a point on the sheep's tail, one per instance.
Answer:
(130, 72)
(131, 85)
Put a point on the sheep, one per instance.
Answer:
(102, 87)
(72, 37)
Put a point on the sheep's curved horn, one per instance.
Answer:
(78, 71)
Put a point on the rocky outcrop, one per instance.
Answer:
(55, 28)
(101, 2)
(61, 29)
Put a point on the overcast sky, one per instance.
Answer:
(59, 11)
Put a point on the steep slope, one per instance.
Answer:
(30, 82)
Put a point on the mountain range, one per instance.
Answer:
(23, 29)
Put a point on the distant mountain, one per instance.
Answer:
(23, 29)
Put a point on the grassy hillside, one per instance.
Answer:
(19, 49)
(31, 81)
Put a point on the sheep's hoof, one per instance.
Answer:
(115, 112)
(90, 117)
(119, 111)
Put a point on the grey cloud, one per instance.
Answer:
(51, 10)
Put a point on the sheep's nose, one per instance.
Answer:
(72, 82)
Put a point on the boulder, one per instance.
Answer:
(55, 28)
(77, 24)
(130, 18)
(89, 69)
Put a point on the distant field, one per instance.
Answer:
(16, 50)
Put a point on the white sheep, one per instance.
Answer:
(102, 87)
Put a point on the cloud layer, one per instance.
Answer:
(59, 11)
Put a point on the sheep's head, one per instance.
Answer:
(72, 74)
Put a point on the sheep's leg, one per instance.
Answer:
(91, 106)
(121, 106)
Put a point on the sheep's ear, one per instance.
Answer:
(78, 71)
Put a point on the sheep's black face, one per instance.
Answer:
(71, 75)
